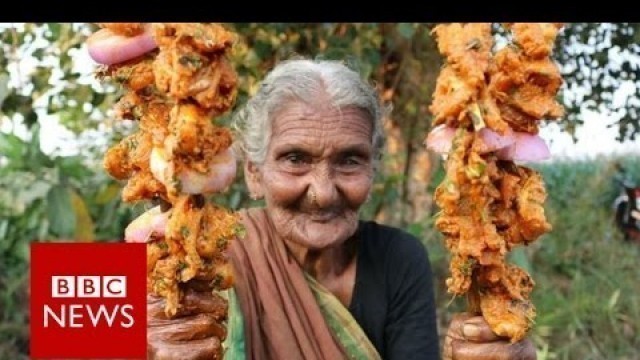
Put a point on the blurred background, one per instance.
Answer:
(56, 124)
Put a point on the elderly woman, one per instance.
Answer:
(312, 281)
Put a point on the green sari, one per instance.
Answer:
(352, 338)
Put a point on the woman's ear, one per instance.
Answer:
(253, 178)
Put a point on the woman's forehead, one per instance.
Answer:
(321, 129)
(300, 118)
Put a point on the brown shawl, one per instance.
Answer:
(281, 316)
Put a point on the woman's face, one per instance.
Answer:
(317, 173)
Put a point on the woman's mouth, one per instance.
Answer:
(323, 216)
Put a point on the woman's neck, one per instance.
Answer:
(324, 263)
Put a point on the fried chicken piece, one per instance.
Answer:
(143, 186)
(218, 228)
(116, 161)
(195, 140)
(491, 113)
(182, 234)
(164, 282)
(505, 306)
(525, 89)
(215, 87)
(218, 273)
(450, 99)
(126, 29)
(461, 268)
(448, 225)
(151, 110)
(155, 120)
(533, 101)
(156, 249)
(518, 120)
(191, 64)
(190, 230)
(531, 206)
(536, 39)
(467, 48)
(129, 159)
(183, 74)
(134, 74)
(129, 155)
(202, 38)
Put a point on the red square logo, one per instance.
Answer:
(88, 301)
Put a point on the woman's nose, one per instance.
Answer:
(322, 189)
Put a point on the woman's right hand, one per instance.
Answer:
(108, 48)
(193, 334)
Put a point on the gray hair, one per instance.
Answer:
(303, 80)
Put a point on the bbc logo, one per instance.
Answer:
(88, 286)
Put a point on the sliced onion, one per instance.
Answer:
(527, 148)
(492, 141)
(440, 139)
(108, 48)
(222, 172)
(153, 221)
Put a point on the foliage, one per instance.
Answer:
(598, 61)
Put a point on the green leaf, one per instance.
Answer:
(4, 226)
(55, 30)
(519, 257)
(406, 30)
(62, 219)
(11, 146)
(4, 87)
(107, 194)
(84, 223)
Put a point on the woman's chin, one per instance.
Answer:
(319, 235)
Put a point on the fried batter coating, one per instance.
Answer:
(451, 97)
(197, 227)
(143, 186)
(530, 201)
(164, 282)
(525, 89)
(202, 38)
(191, 64)
(505, 305)
(135, 74)
(129, 159)
(536, 39)
(116, 161)
(467, 48)
(184, 74)
(195, 140)
(126, 29)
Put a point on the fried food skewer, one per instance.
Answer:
(489, 204)
(178, 155)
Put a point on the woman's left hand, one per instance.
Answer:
(470, 338)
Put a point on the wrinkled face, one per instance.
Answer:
(317, 173)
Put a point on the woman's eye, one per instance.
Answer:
(295, 158)
(351, 160)
(351, 163)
